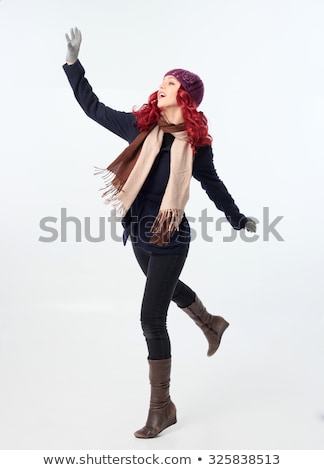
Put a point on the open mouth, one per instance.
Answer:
(161, 95)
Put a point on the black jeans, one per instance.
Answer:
(162, 285)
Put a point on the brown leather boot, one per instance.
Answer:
(162, 412)
(212, 326)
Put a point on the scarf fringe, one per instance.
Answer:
(107, 175)
(111, 191)
(165, 224)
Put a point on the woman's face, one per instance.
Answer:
(167, 94)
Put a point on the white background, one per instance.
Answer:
(73, 358)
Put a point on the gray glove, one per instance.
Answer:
(250, 225)
(73, 45)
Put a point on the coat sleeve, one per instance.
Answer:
(204, 171)
(120, 123)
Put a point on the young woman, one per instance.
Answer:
(148, 184)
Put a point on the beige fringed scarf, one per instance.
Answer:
(125, 176)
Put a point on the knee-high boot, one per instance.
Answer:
(162, 412)
(212, 326)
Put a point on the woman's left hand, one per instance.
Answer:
(250, 225)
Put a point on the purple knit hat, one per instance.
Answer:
(190, 82)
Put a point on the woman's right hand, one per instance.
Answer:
(73, 45)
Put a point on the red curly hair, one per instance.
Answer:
(195, 121)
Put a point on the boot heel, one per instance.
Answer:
(223, 327)
(173, 417)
